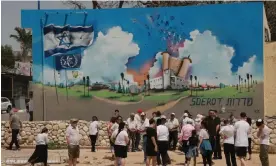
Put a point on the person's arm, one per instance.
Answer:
(154, 143)
(20, 122)
(218, 125)
(46, 140)
(200, 141)
(67, 136)
(126, 138)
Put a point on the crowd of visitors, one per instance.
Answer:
(159, 134)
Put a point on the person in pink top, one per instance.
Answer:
(186, 133)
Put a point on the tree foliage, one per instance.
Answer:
(24, 37)
(7, 57)
(270, 8)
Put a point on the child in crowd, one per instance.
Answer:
(192, 152)
(263, 134)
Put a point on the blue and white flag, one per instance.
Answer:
(68, 61)
(61, 39)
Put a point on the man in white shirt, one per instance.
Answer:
(132, 129)
(142, 126)
(263, 135)
(163, 142)
(173, 125)
(93, 132)
(73, 138)
(241, 142)
(138, 135)
(228, 132)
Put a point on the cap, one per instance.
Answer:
(132, 114)
(73, 120)
(185, 115)
(139, 111)
(143, 114)
(163, 117)
(172, 113)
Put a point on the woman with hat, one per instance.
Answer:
(40, 154)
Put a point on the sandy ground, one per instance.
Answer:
(102, 157)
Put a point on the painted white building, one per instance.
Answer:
(178, 82)
(168, 80)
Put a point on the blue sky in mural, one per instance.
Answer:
(232, 30)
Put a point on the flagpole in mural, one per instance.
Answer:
(66, 84)
(43, 89)
(54, 61)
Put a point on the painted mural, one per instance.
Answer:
(168, 59)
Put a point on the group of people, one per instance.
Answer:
(160, 134)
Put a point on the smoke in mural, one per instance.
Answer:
(166, 59)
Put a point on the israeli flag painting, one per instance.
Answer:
(63, 39)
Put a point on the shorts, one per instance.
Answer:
(120, 151)
(192, 152)
(73, 151)
(241, 151)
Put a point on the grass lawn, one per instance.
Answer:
(225, 92)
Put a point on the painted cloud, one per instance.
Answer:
(106, 58)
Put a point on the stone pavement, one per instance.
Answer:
(102, 158)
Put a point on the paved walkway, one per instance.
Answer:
(102, 158)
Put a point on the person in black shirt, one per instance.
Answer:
(213, 127)
(152, 148)
(193, 144)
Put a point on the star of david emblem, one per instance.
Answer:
(65, 39)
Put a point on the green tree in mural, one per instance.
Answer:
(195, 84)
(24, 37)
(123, 78)
(87, 84)
(251, 80)
(248, 77)
(148, 78)
(191, 79)
(240, 82)
(128, 86)
(83, 79)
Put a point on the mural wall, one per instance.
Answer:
(168, 59)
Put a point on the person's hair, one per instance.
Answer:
(113, 119)
(94, 118)
(194, 133)
(163, 121)
(153, 113)
(158, 114)
(243, 115)
(216, 111)
(249, 121)
(44, 130)
(204, 124)
(210, 110)
(226, 121)
(159, 122)
(121, 127)
(117, 111)
(151, 121)
(119, 117)
(259, 123)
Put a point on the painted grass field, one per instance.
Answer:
(159, 98)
